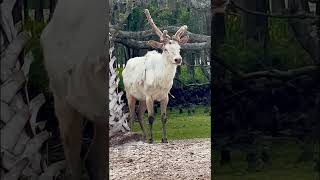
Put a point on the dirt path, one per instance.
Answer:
(182, 159)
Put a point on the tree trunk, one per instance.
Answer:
(17, 12)
(255, 27)
(304, 32)
(305, 5)
(25, 10)
(38, 14)
(276, 6)
(318, 31)
(52, 5)
(190, 61)
(218, 34)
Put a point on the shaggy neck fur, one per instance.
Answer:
(164, 71)
(169, 67)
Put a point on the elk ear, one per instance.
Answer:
(155, 44)
(184, 40)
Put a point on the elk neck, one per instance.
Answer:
(169, 69)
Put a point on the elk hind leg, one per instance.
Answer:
(132, 109)
(142, 110)
(149, 102)
(164, 118)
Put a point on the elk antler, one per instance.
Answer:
(181, 35)
(163, 36)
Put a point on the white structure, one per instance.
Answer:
(117, 117)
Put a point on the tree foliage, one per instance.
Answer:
(283, 50)
(39, 81)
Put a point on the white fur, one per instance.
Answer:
(151, 75)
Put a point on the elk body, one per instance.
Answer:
(73, 47)
(150, 78)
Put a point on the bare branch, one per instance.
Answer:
(271, 73)
(283, 74)
(281, 15)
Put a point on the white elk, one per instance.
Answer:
(150, 78)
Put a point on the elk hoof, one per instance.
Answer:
(164, 140)
(151, 141)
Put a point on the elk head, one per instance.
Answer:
(169, 45)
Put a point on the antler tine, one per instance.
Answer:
(151, 23)
(181, 32)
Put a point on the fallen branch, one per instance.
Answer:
(283, 74)
(274, 73)
(193, 84)
(143, 44)
(142, 35)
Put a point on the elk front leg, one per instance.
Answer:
(149, 102)
(71, 132)
(142, 110)
(163, 106)
(132, 110)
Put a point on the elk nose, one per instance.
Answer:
(178, 60)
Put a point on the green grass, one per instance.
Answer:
(180, 126)
(282, 167)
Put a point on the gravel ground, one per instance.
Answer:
(181, 159)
